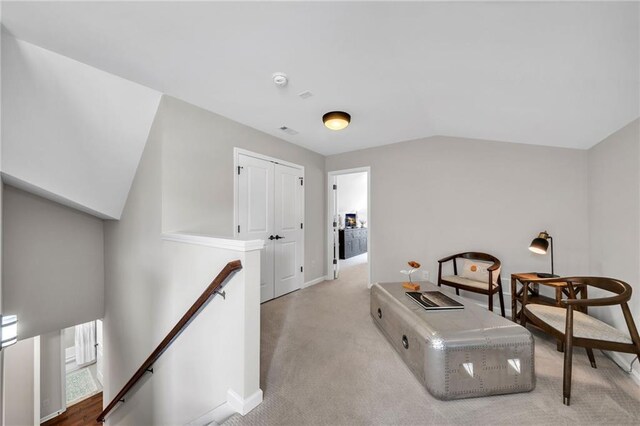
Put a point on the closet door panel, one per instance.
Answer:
(288, 226)
(255, 215)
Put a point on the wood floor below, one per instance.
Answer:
(83, 413)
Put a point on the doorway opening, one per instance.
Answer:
(82, 361)
(349, 227)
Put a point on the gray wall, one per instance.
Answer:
(146, 292)
(134, 284)
(53, 264)
(51, 370)
(19, 379)
(614, 215)
(197, 176)
(438, 196)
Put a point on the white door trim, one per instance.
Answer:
(330, 209)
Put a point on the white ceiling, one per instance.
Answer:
(550, 73)
(70, 132)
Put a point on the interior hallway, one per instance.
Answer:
(323, 361)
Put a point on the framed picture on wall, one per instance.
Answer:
(350, 220)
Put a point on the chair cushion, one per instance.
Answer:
(584, 326)
(484, 285)
(476, 270)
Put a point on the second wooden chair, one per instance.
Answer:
(478, 273)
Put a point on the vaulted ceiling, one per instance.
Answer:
(82, 80)
(549, 73)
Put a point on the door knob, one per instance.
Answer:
(278, 237)
(271, 237)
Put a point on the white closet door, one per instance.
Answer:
(255, 214)
(289, 191)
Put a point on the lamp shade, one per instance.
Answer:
(539, 245)
(336, 120)
(9, 330)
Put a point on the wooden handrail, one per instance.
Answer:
(218, 281)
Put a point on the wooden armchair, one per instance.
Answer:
(480, 274)
(575, 327)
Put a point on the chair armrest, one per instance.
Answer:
(602, 301)
(448, 258)
(495, 266)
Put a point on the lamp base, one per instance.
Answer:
(546, 275)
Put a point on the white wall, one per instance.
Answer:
(71, 132)
(197, 176)
(438, 196)
(69, 337)
(614, 216)
(352, 194)
(19, 383)
(53, 264)
(149, 285)
(51, 374)
(1, 354)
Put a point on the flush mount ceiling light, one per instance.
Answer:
(280, 79)
(336, 120)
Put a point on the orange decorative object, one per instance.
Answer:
(411, 286)
(414, 264)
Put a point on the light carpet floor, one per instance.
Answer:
(324, 362)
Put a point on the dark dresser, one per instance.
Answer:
(353, 241)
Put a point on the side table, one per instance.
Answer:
(534, 296)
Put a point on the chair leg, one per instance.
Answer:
(523, 319)
(568, 358)
(501, 301)
(592, 359)
(457, 291)
(491, 301)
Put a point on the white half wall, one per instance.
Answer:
(71, 132)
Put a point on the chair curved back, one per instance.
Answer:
(475, 255)
(608, 284)
(493, 284)
(596, 340)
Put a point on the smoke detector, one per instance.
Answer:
(280, 79)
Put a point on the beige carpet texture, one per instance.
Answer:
(324, 362)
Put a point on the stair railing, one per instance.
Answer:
(147, 366)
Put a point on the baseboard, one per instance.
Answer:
(243, 405)
(215, 417)
(314, 282)
(624, 365)
(52, 415)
